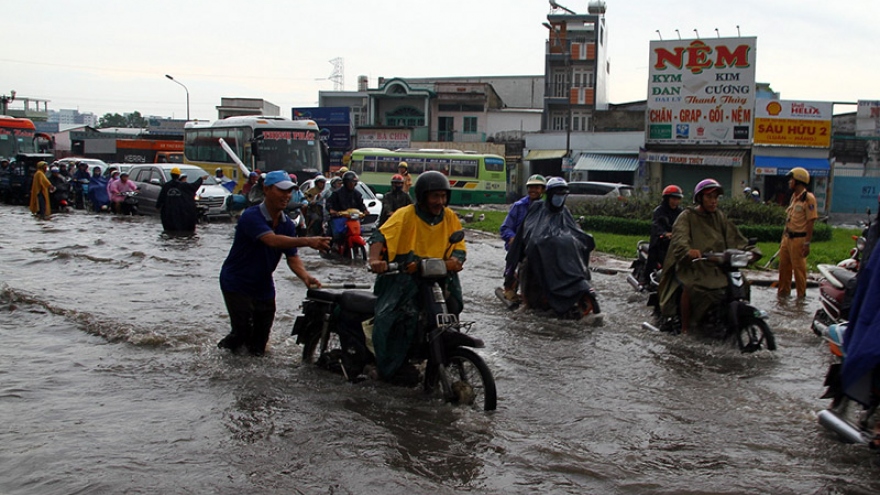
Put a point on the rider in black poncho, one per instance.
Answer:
(177, 204)
(557, 254)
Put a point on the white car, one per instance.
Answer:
(150, 177)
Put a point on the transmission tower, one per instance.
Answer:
(338, 75)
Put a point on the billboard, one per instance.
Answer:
(793, 123)
(391, 139)
(701, 92)
(334, 122)
(868, 118)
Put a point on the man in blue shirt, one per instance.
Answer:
(535, 187)
(262, 234)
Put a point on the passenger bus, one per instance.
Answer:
(262, 143)
(24, 147)
(16, 137)
(474, 178)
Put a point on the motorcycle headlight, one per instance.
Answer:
(741, 259)
(433, 268)
(861, 243)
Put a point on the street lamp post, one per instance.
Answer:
(185, 89)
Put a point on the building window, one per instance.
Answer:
(470, 125)
(460, 107)
(405, 117)
(583, 78)
(580, 121)
(445, 129)
(559, 87)
(557, 121)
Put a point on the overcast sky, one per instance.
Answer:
(105, 56)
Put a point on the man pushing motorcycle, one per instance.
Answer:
(416, 231)
(689, 289)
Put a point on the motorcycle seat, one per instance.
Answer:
(324, 295)
(357, 301)
(847, 278)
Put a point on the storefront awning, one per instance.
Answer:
(781, 165)
(544, 154)
(723, 158)
(597, 162)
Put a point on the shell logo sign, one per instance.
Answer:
(774, 108)
(793, 123)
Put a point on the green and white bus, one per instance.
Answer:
(262, 143)
(474, 178)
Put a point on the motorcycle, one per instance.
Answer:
(855, 253)
(452, 369)
(734, 317)
(347, 243)
(852, 422)
(639, 267)
(60, 198)
(836, 291)
(129, 204)
(838, 284)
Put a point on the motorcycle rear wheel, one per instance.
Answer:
(754, 335)
(316, 346)
(471, 380)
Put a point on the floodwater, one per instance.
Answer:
(111, 382)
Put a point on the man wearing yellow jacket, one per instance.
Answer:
(420, 230)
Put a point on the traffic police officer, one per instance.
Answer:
(801, 214)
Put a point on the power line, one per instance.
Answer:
(152, 73)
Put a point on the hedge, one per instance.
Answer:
(631, 226)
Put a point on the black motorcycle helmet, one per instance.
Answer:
(349, 177)
(431, 181)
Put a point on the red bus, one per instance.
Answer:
(16, 136)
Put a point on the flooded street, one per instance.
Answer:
(111, 382)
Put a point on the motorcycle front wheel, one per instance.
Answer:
(471, 380)
(754, 334)
(358, 253)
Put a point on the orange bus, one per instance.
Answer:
(16, 137)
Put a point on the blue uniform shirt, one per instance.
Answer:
(249, 266)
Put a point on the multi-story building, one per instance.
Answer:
(69, 117)
(576, 69)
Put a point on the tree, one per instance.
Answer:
(133, 120)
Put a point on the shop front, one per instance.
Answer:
(687, 168)
(771, 178)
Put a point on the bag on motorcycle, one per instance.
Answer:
(338, 225)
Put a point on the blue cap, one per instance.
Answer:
(279, 179)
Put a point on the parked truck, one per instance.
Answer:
(148, 151)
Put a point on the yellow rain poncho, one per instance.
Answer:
(39, 186)
(409, 235)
